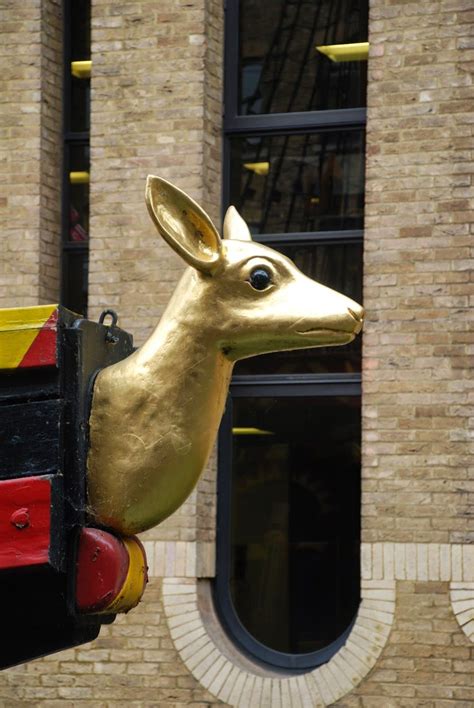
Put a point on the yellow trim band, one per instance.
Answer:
(18, 329)
(134, 585)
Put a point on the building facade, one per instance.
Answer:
(156, 106)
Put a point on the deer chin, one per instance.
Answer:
(325, 336)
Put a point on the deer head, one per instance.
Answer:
(255, 300)
(155, 415)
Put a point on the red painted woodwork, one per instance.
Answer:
(102, 566)
(25, 521)
(43, 350)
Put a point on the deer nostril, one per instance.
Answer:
(358, 315)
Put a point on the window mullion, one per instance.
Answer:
(308, 120)
(316, 237)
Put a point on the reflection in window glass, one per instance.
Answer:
(280, 69)
(299, 183)
(78, 194)
(338, 266)
(295, 519)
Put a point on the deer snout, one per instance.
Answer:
(357, 312)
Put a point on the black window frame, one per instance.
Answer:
(70, 139)
(279, 386)
(271, 384)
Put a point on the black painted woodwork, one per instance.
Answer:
(44, 416)
(30, 438)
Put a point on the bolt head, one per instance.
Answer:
(20, 518)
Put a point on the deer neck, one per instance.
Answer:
(155, 414)
(182, 363)
(183, 345)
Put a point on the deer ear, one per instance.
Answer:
(183, 224)
(235, 227)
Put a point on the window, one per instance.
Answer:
(75, 217)
(287, 585)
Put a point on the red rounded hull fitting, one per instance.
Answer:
(111, 572)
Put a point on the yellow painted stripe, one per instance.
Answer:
(134, 585)
(18, 328)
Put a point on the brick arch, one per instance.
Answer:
(238, 685)
(462, 601)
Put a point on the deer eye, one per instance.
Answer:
(260, 278)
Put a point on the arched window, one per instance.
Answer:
(287, 586)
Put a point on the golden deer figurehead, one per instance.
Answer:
(155, 415)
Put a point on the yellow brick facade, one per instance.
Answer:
(156, 108)
(31, 66)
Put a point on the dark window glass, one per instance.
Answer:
(339, 266)
(79, 49)
(299, 183)
(79, 117)
(294, 521)
(80, 29)
(280, 69)
(75, 279)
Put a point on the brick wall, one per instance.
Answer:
(30, 125)
(426, 662)
(147, 116)
(156, 108)
(417, 414)
(51, 151)
(418, 285)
